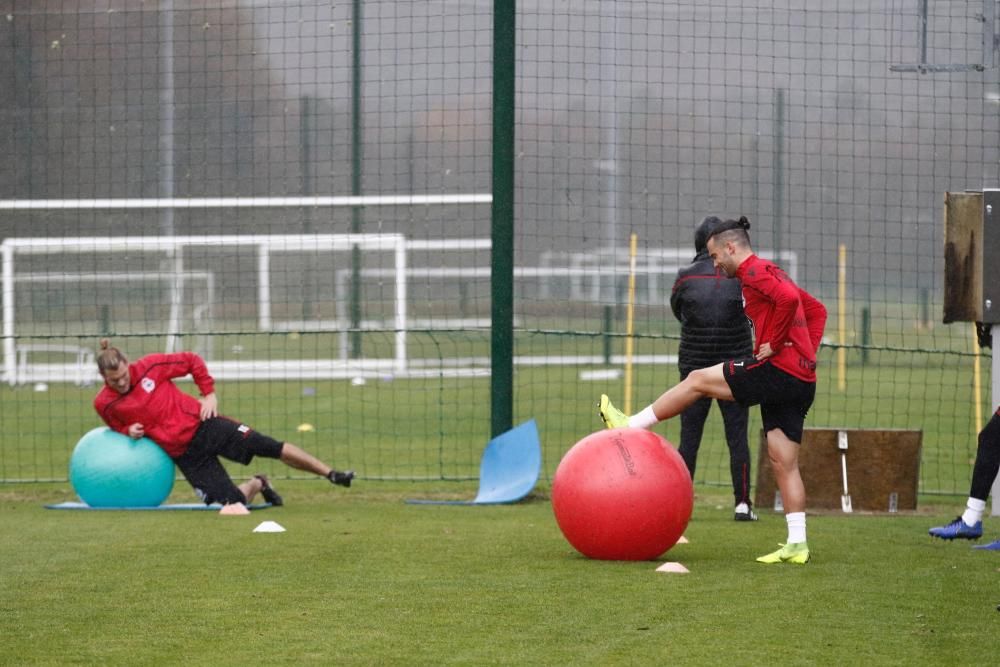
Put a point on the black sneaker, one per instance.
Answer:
(748, 515)
(266, 490)
(341, 478)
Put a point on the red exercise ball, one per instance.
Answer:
(622, 494)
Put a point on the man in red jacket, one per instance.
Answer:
(780, 376)
(140, 399)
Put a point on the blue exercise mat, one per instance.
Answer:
(508, 470)
(180, 506)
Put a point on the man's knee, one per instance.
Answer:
(710, 382)
(696, 378)
(702, 379)
(782, 451)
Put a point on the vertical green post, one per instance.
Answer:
(502, 217)
(105, 320)
(305, 159)
(356, 158)
(607, 326)
(866, 334)
(778, 193)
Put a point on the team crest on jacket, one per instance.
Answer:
(148, 385)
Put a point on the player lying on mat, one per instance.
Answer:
(140, 399)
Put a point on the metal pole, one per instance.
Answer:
(923, 32)
(356, 158)
(989, 37)
(756, 176)
(175, 255)
(7, 287)
(167, 114)
(778, 193)
(305, 160)
(995, 374)
(502, 218)
(608, 164)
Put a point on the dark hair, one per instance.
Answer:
(704, 231)
(733, 230)
(109, 358)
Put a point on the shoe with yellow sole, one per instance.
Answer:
(797, 553)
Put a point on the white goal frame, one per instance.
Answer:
(172, 246)
(169, 245)
(83, 371)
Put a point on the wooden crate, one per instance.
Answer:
(880, 463)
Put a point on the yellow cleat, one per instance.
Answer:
(797, 553)
(612, 416)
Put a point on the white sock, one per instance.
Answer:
(645, 419)
(742, 508)
(796, 527)
(973, 513)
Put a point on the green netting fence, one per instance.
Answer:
(302, 192)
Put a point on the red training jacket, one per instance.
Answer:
(170, 416)
(784, 315)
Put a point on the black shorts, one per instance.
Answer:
(784, 400)
(229, 439)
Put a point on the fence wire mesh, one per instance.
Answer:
(282, 137)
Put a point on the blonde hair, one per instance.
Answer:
(109, 358)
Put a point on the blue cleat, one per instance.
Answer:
(958, 529)
(992, 546)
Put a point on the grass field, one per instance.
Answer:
(361, 578)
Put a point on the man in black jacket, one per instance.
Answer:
(714, 328)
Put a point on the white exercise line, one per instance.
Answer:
(242, 202)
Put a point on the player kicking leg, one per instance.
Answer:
(784, 401)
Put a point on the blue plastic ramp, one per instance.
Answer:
(179, 506)
(508, 470)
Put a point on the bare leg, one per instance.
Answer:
(698, 384)
(784, 456)
(251, 488)
(296, 457)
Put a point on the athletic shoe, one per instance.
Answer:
(744, 514)
(992, 546)
(797, 553)
(612, 416)
(958, 528)
(268, 492)
(341, 478)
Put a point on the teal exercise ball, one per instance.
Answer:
(108, 469)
